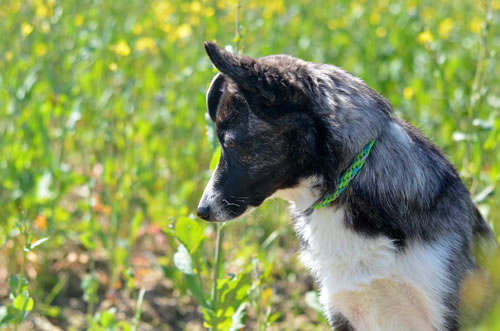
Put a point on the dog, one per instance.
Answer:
(386, 225)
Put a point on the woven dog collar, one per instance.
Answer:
(348, 175)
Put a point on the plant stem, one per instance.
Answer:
(138, 310)
(218, 260)
(475, 96)
(237, 31)
(21, 278)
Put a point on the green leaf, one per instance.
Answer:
(273, 317)
(88, 240)
(14, 284)
(38, 243)
(10, 315)
(238, 317)
(190, 233)
(107, 318)
(193, 283)
(90, 285)
(233, 292)
(23, 302)
(215, 159)
(183, 260)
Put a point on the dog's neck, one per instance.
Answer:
(302, 196)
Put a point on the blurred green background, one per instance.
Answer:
(104, 145)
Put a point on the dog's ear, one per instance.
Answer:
(243, 70)
(214, 95)
(237, 67)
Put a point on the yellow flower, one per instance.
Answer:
(209, 12)
(26, 29)
(40, 49)
(475, 25)
(195, 20)
(408, 93)
(121, 48)
(41, 11)
(336, 24)
(495, 5)
(374, 18)
(78, 20)
(424, 37)
(113, 66)
(195, 7)
(146, 44)
(273, 7)
(8, 56)
(411, 5)
(267, 294)
(183, 31)
(381, 32)
(445, 28)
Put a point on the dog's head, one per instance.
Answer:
(260, 109)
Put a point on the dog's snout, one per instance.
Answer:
(203, 212)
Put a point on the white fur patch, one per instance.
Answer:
(375, 286)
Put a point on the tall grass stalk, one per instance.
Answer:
(476, 94)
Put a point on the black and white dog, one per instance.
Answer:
(392, 250)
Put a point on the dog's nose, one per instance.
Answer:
(203, 212)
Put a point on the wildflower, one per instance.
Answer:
(8, 56)
(374, 18)
(146, 44)
(475, 25)
(78, 20)
(195, 7)
(267, 294)
(42, 11)
(183, 31)
(209, 12)
(272, 8)
(445, 28)
(424, 37)
(26, 29)
(408, 93)
(121, 48)
(113, 66)
(40, 222)
(195, 20)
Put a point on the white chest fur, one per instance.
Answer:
(375, 286)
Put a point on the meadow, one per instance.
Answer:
(105, 150)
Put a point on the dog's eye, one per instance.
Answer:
(229, 143)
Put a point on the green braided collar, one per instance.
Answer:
(348, 175)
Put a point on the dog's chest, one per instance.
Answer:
(338, 257)
(367, 279)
